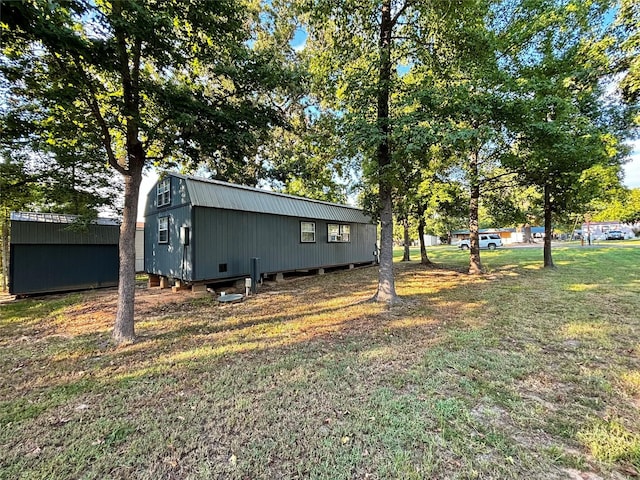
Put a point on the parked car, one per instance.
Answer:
(615, 235)
(488, 241)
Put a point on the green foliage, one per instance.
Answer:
(18, 187)
(514, 206)
(628, 24)
(66, 166)
(625, 207)
(173, 79)
(632, 210)
(564, 128)
(306, 158)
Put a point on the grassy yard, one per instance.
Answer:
(520, 373)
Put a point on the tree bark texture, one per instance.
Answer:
(123, 330)
(475, 264)
(129, 54)
(406, 257)
(548, 229)
(424, 258)
(386, 284)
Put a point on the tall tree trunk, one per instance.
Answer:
(548, 211)
(406, 257)
(129, 63)
(123, 330)
(475, 265)
(386, 284)
(424, 259)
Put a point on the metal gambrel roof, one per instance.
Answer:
(217, 194)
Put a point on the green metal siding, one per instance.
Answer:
(179, 197)
(233, 238)
(62, 234)
(55, 268)
(247, 223)
(170, 259)
(52, 257)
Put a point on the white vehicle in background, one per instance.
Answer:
(489, 241)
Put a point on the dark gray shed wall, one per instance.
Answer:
(179, 197)
(60, 268)
(233, 238)
(50, 257)
(62, 234)
(172, 259)
(230, 236)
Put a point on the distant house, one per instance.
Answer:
(599, 230)
(50, 253)
(199, 231)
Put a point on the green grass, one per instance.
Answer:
(520, 373)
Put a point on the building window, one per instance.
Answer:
(163, 230)
(307, 232)
(164, 192)
(339, 233)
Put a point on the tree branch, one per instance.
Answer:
(399, 13)
(94, 107)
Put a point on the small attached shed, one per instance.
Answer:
(199, 230)
(49, 253)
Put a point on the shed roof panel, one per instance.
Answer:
(45, 217)
(216, 194)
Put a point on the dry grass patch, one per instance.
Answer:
(501, 376)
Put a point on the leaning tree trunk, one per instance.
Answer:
(548, 211)
(386, 284)
(123, 330)
(424, 259)
(406, 257)
(475, 264)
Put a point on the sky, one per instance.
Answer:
(149, 178)
(632, 169)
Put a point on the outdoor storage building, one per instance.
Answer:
(199, 230)
(52, 253)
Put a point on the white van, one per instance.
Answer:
(489, 241)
